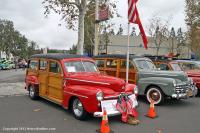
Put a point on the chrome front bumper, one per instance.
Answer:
(180, 96)
(185, 93)
(110, 106)
(100, 114)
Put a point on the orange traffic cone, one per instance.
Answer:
(151, 112)
(104, 124)
(105, 128)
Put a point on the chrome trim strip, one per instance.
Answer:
(87, 81)
(117, 96)
(162, 74)
(154, 83)
(108, 97)
(75, 94)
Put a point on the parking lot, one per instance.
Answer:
(20, 114)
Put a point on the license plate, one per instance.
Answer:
(190, 93)
(110, 105)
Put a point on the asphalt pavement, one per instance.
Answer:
(12, 76)
(18, 113)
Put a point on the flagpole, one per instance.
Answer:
(127, 56)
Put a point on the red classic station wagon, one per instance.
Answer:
(74, 82)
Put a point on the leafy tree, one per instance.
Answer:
(172, 37)
(32, 48)
(158, 30)
(193, 23)
(72, 12)
(112, 32)
(12, 42)
(73, 49)
(181, 40)
(120, 31)
(89, 38)
(133, 32)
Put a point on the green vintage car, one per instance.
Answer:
(8, 64)
(2, 65)
(151, 82)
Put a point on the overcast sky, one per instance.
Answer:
(29, 19)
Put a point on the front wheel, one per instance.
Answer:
(78, 110)
(155, 94)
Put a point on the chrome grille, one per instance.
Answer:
(182, 89)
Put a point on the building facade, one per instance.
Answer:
(4, 56)
(118, 45)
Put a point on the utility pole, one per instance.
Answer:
(96, 46)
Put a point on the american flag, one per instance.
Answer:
(133, 17)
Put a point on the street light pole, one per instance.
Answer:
(96, 47)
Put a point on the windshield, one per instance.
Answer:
(189, 66)
(80, 66)
(145, 65)
(175, 66)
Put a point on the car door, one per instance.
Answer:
(55, 81)
(132, 71)
(43, 77)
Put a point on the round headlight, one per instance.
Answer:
(135, 90)
(99, 96)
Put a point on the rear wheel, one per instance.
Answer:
(78, 110)
(155, 94)
(33, 93)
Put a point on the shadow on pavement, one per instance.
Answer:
(171, 102)
(95, 120)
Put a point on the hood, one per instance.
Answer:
(98, 80)
(177, 75)
(193, 73)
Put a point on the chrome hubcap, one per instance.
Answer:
(77, 107)
(31, 92)
(154, 95)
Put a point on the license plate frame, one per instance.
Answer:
(110, 105)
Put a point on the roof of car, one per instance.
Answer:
(120, 56)
(57, 56)
(186, 61)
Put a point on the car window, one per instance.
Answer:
(33, 65)
(89, 66)
(145, 65)
(80, 66)
(188, 66)
(54, 67)
(163, 67)
(111, 63)
(100, 63)
(123, 64)
(43, 65)
(175, 66)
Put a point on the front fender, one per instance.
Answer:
(165, 84)
(86, 94)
